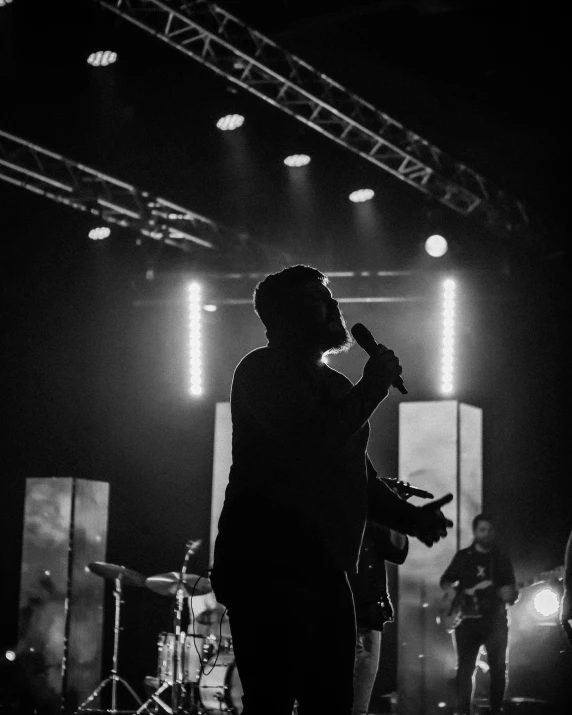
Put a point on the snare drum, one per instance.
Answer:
(195, 655)
(191, 655)
(166, 659)
(219, 686)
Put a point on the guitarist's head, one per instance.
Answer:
(483, 533)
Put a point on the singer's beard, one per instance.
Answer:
(335, 336)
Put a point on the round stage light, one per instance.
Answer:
(102, 58)
(436, 246)
(361, 195)
(99, 233)
(230, 122)
(546, 602)
(9, 654)
(297, 160)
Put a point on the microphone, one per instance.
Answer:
(407, 489)
(366, 341)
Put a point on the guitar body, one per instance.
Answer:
(454, 607)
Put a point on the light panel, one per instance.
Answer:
(436, 246)
(195, 317)
(447, 367)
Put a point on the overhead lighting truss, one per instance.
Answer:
(43, 172)
(217, 39)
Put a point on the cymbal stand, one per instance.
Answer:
(113, 678)
(192, 547)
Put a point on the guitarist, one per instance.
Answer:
(486, 573)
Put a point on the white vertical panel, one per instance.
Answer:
(471, 469)
(440, 451)
(222, 460)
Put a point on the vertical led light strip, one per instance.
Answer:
(448, 337)
(195, 339)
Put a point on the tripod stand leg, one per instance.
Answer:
(154, 698)
(95, 693)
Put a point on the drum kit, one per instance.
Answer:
(196, 670)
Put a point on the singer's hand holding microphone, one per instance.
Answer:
(382, 370)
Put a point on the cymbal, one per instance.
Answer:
(111, 571)
(167, 584)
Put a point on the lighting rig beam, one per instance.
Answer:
(65, 181)
(217, 39)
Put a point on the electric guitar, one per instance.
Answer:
(454, 608)
(463, 604)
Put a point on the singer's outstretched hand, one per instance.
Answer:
(381, 370)
(432, 524)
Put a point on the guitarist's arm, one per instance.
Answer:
(452, 574)
(506, 590)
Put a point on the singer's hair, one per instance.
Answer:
(482, 517)
(273, 295)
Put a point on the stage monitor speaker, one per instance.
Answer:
(61, 601)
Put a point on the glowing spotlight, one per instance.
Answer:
(361, 195)
(546, 602)
(9, 654)
(195, 339)
(102, 58)
(297, 160)
(436, 246)
(99, 233)
(210, 308)
(230, 122)
(2, 4)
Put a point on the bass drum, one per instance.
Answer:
(219, 685)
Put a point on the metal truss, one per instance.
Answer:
(217, 39)
(48, 174)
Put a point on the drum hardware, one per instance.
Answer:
(181, 585)
(121, 576)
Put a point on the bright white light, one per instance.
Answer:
(2, 3)
(325, 359)
(10, 655)
(441, 705)
(436, 246)
(210, 308)
(102, 58)
(448, 337)
(195, 340)
(99, 233)
(297, 160)
(230, 122)
(361, 195)
(546, 602)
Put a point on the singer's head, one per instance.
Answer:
(297, 308)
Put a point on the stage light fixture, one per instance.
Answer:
(546, 602)
(361, 195)
(5, 2)
(448, 337)
(210, 308)
(102, 58)
(230, 122)
(195, 339)
(297, 160)
(436, 246)
(99, 233)
(9, 654)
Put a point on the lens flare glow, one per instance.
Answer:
(230, 122)
(361, 195)
(297, 160)
(546, 602)
(195, 313)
